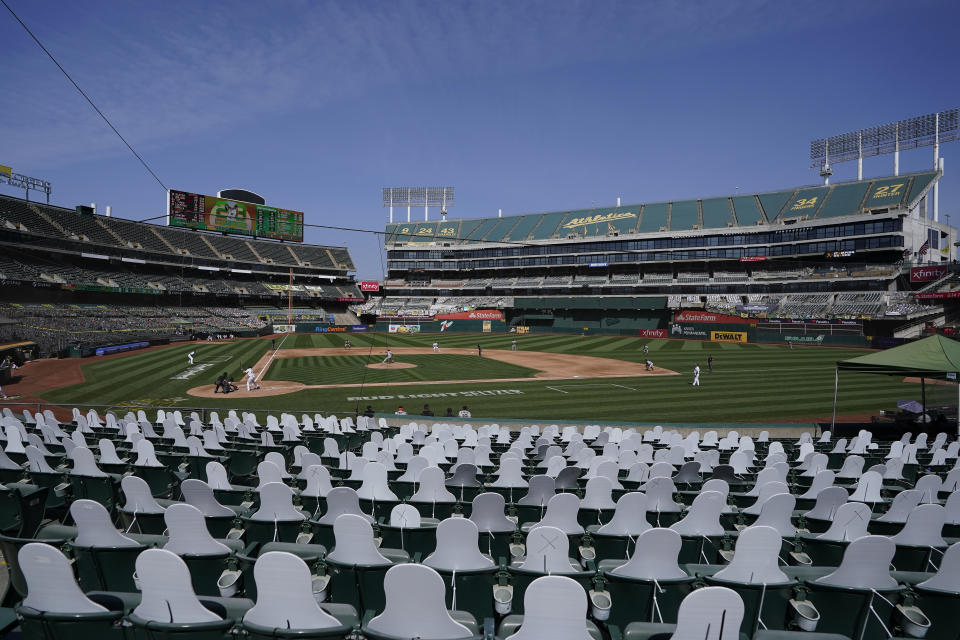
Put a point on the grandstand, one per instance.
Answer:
(75, 280)
(841, 250)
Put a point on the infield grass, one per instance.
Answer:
(352, 369)
(751, 382)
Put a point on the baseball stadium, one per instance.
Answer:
(578, 316)
(708, 417)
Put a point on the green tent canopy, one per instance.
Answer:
(934, 357)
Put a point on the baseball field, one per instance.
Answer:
(558, 377)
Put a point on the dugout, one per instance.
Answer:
(18, 353)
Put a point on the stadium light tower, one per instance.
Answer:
(912, 133)
(418, 196)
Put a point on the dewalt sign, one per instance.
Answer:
(728, 336)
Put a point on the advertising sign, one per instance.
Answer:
(358, 328)
(471, 315)
(212, 213)
(728, 336)
(816, 338)
(706, 316)
(284, 328)
(755, 308)
(404, 328)
(752, 258)
(523, 330)
(937, 295)
(369, 286)
(927, 274)
(653, 333)
(686, 331)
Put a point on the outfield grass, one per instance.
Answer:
(751, 383)
(352, 369)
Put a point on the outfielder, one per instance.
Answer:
(190, 356)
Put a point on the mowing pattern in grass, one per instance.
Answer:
(352, 369)
(751, 383)
(149, 376)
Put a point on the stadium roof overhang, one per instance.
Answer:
(935, 357)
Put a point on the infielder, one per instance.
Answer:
(513, 345)
(251, 379)
(436, 346)
(190, 356)
(389, 357)
(696, 376)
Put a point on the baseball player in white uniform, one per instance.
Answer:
(436, 346)
(696, 377)
(389, 357)
(190, 356)
(251, 379)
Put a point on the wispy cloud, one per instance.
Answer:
(172, 70)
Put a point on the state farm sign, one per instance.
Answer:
(703, 316)
(927, 274)
(472, 315)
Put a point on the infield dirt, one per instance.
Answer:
(549, 366)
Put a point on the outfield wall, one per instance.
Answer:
(441, 326)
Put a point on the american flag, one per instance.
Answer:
(924, 247)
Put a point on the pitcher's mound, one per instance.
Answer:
(391, 365)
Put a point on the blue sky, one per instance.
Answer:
(525, 106)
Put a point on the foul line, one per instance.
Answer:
(559, 388)
(270, 359)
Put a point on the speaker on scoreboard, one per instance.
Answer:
(241, 194)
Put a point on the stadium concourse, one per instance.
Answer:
(172, 524)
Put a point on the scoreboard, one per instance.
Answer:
(212, 213)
